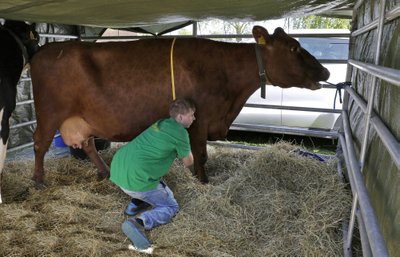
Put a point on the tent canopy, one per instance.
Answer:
(139, 13)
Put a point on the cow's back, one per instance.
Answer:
(133, 79)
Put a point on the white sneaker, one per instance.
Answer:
(148, 250)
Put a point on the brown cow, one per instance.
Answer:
(116, 90)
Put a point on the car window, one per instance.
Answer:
(326, 48)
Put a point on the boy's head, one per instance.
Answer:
(182, 110)
(181, 106)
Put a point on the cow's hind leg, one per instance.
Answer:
(4, 134)
(42, 140)
(90, 150)
(3, 149)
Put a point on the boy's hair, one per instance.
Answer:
(181, 106)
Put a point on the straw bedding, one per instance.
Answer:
(271, 202)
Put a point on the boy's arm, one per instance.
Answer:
(188, 160)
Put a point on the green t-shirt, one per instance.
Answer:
(139, 165)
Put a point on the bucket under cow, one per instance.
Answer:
(58, 141)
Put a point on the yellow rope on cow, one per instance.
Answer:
(172, 69)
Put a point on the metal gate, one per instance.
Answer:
(373, 243)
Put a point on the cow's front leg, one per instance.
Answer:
(91, 151)
(199, 150)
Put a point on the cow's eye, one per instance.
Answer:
(295, 49)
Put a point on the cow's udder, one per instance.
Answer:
(75, 131)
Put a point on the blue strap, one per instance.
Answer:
(339, 87)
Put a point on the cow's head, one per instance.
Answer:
(26, 33)
(287, 64)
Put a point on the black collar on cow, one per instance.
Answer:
(21, 45)
(261, 70)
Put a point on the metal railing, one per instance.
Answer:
(372, 240)
(285, 129)
(25, 123)
(329, 134)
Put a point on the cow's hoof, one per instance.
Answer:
(39, 182)
(40, 186)
(103, 175)
(204, 180)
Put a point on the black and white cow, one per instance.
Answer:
(18, 43)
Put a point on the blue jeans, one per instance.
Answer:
(164, 205)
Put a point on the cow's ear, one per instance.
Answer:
(261, 35)
(279, 31)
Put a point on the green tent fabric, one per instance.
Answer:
(139, 13)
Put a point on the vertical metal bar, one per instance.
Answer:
(375, 238)
(346, 125)
(348, 233)
(373, 85)
(346, 159)
(352, 221)
(347, 251)
(31, 89)
(366, 247)
(194, 28)
(345, 108)
(350, 228)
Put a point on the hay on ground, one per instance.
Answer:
(258, 203)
